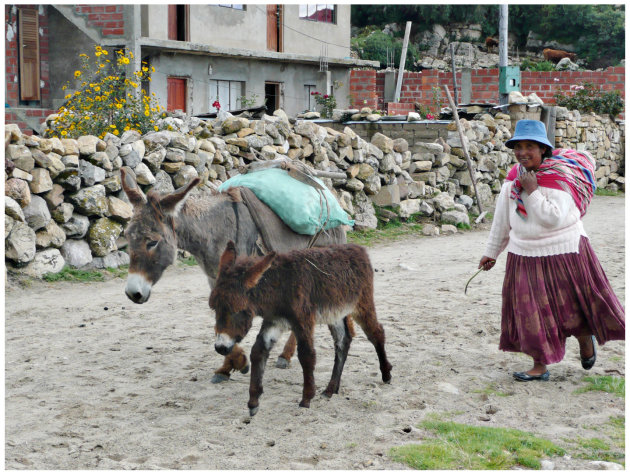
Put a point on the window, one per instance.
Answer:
(323, 13)
(309, 100)
(234, 6)
(228, 93)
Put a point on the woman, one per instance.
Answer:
(554, 286)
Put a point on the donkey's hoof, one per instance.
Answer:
(305, 404)
(327, 394)
(253, 411)
(219, 378)
(282, 363)
(245, 370)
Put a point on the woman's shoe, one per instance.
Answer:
(528, 377)
(588, 363)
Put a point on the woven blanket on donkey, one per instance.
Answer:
(297, 204)
(567, 170)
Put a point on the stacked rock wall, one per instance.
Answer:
(64, 203)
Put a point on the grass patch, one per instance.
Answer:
(596, 448)
(389, 228)
(610, 384)
(604, 192)
(68, 274)
(491, 390)
(459, 446)
(188, 261)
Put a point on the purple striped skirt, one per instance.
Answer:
(547, 299)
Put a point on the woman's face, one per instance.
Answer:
(529, 154)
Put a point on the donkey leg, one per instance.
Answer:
(236, 360)
(307, 357)
(287, 353)
(366, 318)
(265, 340)
(342, 336)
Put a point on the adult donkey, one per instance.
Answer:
(203, 225)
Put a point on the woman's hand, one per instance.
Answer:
(529, 182)
(486, 263)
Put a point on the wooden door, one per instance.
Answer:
(176, 94)
(274, 32)
(28, 36)
(172, 22)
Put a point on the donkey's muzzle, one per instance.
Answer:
(222, 350)
(224, 344)
(137, 289)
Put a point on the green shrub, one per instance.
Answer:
(530, 65)
(589, 98)
(373, 46)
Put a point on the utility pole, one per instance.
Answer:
(503, 46)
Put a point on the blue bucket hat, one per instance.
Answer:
(533, 130)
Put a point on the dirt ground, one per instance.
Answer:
(93, 381)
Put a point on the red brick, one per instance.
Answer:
(113, 32)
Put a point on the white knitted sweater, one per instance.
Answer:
(553, 225)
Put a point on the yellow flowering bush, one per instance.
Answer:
(106, 99)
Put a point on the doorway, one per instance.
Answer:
(272, 97)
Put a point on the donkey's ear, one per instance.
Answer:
(172, 203)
(135, 195)
(228, 257)
(255, 272)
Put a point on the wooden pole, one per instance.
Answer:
(403, 58)
(464, 146)
(454, 73)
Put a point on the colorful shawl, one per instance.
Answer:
(567, 170)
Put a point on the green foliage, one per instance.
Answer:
(374, 45)
(597, 31)
(105, 100)
(460, 446)
(530, 65)
(610, 384)
(326, 102)
(68, 274)
(251, 101)
(589, 98)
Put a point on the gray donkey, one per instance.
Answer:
(201, 225)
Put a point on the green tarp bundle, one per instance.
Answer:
(299, 205)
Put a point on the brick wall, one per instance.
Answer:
(108, 18)
(363, 88)
(418, 86)
(26, 116)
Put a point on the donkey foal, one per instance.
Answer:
(297, 290)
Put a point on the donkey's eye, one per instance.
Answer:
(151, 245)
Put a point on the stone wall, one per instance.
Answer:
(64, 203)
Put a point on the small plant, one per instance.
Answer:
(530, 65)
(327, 103)
(105, 100)
(587, 97)
(247, 102)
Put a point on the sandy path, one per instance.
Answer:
(96, 382)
